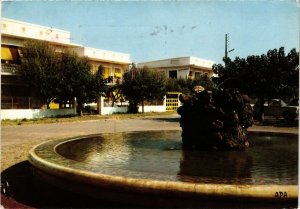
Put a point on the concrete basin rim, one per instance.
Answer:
(100, 179)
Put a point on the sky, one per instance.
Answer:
(153, 30)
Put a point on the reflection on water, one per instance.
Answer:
(216, 167)
(159, 155)
(97, 151)
(276, 159)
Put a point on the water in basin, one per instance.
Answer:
(158, 155)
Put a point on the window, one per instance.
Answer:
(198, 75)
(173, 74)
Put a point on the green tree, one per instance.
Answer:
(39, 69)
(178, 85)
(270, 75)
(140, 85)
(205, 81)
(186, 86)
(77, 80)
(60, 76)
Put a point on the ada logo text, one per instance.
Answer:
(280, 194)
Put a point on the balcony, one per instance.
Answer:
(112, 80)
(9, 69)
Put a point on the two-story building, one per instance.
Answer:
(114, 63)
(14, 92)
(181, 67)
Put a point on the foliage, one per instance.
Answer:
(77, 80)
(114, 91)
(60, 76)
(140, 85)
(186, 85)
(39, 70)
(270, 75)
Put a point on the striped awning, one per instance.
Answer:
(10, 53)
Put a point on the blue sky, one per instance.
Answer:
(150, 30)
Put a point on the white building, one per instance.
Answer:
(181, 67)
(14, 93)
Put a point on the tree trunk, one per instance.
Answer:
(48, 105)
(261, 108)
(132, 108)
(99, 105)
(113, 102)
(79, 108)
(142, 106)
(113, 99)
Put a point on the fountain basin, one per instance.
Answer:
(119, 167)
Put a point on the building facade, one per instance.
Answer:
(114, 63)
(14, 92)
(181, 67)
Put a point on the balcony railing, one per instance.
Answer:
(19, 103)
(9, 68)
(112, 80)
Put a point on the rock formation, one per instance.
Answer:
(216, 120)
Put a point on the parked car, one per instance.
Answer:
(277, 108)
(91, 108)
(294, 102)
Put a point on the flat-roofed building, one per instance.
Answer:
(114, 63)
(181, 67)
(15, 33)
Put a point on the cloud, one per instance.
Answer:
(154, 33)
(165, 29)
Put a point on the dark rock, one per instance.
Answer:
(215, 120)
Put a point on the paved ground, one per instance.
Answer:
(12, 135)
(18, 134)
(16, 141)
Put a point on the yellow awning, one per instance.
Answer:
(6, 54)
(118, 75)
(106, 72)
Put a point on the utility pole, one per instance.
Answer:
(227, 45)
(132, 68)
